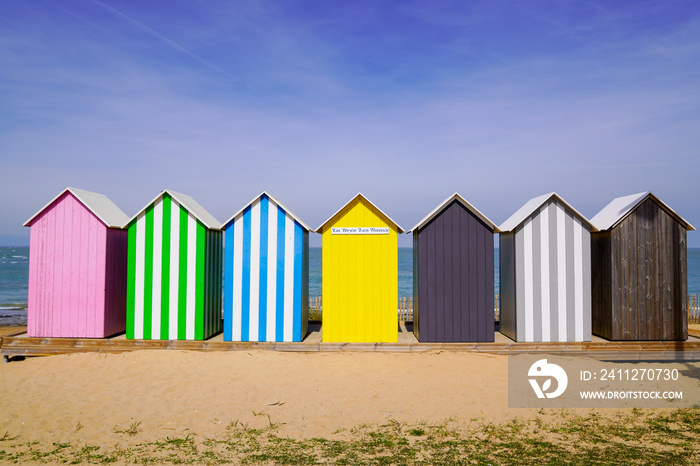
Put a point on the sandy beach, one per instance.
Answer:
(95, 399)
(308, 395)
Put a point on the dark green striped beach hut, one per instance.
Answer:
(174, 271)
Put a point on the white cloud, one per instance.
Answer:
(318, 124)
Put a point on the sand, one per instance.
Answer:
(94, 398)
(88, 398)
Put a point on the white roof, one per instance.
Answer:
(533, 205)
(99, 204)
(360, 195)
(621, 207)
(189, 204)
(445, 203)
(265, 193)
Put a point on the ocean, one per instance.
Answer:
(14, 272)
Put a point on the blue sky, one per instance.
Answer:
(314, 101)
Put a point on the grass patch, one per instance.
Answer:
(560, 437)
(133, 429)
(315, 314)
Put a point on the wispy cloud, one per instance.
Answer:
(361, 97)
(169, 42)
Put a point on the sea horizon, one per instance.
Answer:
(14, 274)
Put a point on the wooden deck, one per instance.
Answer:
(21, 345)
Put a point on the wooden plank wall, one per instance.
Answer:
(115, 281)
(68, 266)
(212, 305)
(174, 275)
(266, 269)
(601, 283)
(552, 277)
(455, 284)
(507, 284)
(360, 278)
(640, 277)
(416, 296)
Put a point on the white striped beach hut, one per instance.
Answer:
(545, 272)
(174, 271)
(266, 273)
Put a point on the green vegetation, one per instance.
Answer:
(555, 437)
(315, 314)
(132, 430)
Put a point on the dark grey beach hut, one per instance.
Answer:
(639, 260)
(453, 279)
(545, 272)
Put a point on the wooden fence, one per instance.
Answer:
(405, 308)
(694, 308)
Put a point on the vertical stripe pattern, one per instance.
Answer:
(176, 265)
(264, 285)
(553, 261)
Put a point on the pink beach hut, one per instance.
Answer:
(77, 267)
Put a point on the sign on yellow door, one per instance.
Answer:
(360, 274)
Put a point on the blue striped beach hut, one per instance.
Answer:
(266, 273)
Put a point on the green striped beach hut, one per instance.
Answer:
(174, 271)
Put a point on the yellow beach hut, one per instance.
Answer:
(360, 274)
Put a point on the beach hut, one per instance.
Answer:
(545, 272)
(639, 260)
(77, 267)
(175, 271)
(453, 279)
(360, 274)
(266, 273)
